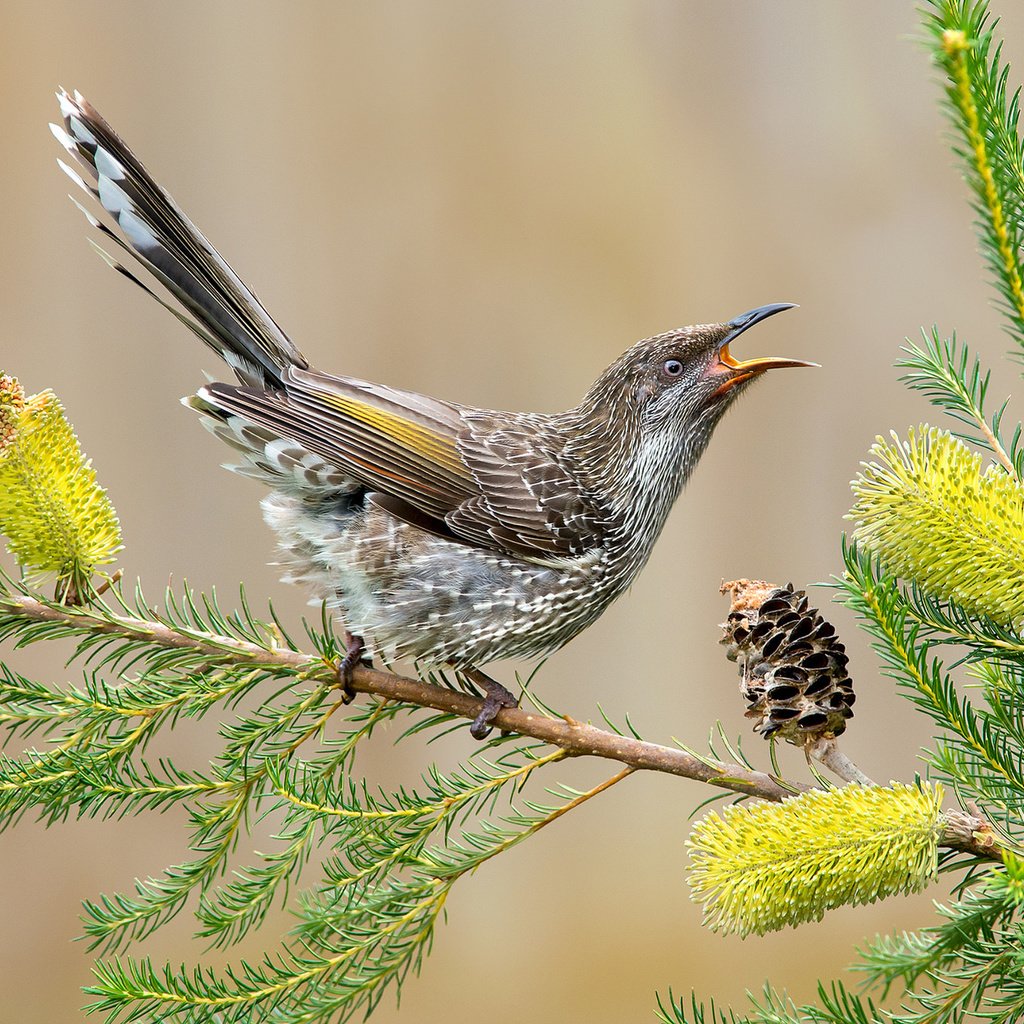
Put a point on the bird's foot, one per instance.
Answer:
(355, 651)
(496, 698)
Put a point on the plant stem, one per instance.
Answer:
(573, 737)
(828, 753)
(955, 44)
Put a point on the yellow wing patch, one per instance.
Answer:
(413, 436)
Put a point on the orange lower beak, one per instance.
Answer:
(734, 371)
(741, 371)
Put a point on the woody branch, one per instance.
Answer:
(966, 832)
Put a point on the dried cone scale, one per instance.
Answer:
(792, 665)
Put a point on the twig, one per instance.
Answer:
(580, 798)
(969, 833)
(828, 753)
(575, 738)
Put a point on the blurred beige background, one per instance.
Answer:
(488, 201)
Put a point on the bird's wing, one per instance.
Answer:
(528, 501)
(398, 443)
(476, 477)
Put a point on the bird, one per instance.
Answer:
(437, 532)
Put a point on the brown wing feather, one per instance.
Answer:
(370, 444)
(494, 480)
(528, 503)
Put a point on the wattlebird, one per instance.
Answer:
(443, 533)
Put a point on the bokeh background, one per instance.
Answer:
(488, 201)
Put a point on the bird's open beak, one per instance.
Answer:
(733, 371)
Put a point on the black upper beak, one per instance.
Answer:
(737, 370)
(754, 316)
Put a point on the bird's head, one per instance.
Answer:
(684, 377)
(661, 399)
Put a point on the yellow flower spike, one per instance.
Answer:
(759, 867)
(54, 514)
(933, 516)
(12, 402)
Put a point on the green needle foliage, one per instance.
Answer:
(984, 115)
(935, 572)
(367, 920)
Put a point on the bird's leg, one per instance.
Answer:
(354, 651)
(496, 697)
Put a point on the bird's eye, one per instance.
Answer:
(672, 368)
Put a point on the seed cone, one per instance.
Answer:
(792, 666)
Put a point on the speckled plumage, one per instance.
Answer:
(440, 532)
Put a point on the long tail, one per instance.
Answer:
(220, 309)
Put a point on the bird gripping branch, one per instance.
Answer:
(440, 532)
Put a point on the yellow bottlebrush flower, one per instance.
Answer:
(12, 402)
(54, 514)
(933, 516)
(759, 867)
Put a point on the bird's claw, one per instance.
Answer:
(482, 724)
(496, 699)
(354, 655)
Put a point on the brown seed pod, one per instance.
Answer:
(792, 665)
